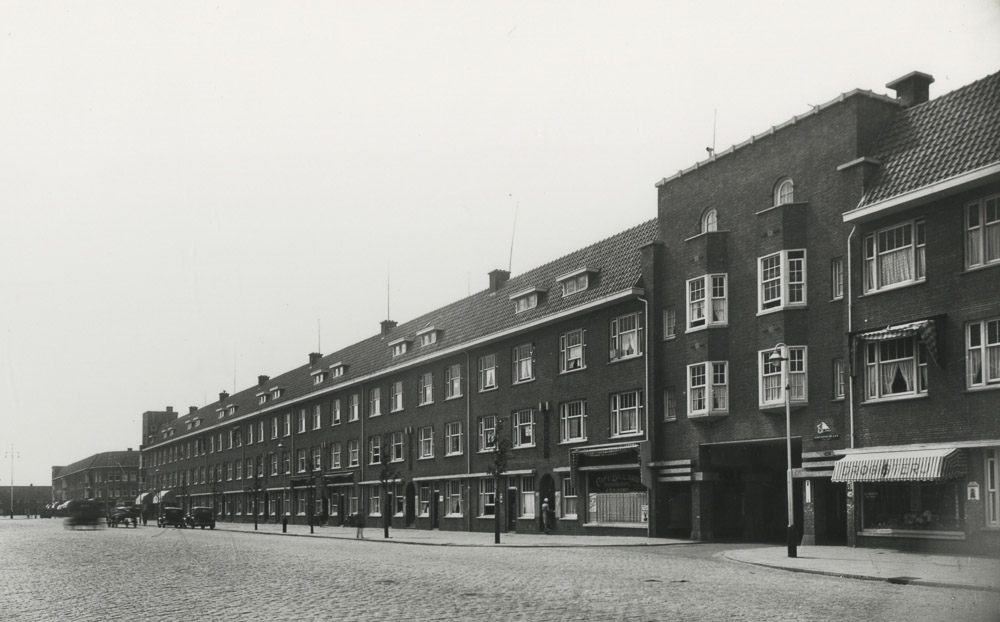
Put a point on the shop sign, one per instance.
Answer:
(825, 433)
(972, 491)
(890, 470)
(618, 481)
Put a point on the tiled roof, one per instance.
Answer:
(934, 141)
(102, 460)
(616, 260)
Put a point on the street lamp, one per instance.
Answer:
(284, 495)
(780, 357)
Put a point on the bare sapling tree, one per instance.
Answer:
(500, 446)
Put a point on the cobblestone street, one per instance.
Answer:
(49, 573)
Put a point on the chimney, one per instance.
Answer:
(170, 409)
(314, 358)
(913, 88)
(497, 279)
(223, 396)
(262, 380)
(192, 410)
(387, 326)
(130, 449)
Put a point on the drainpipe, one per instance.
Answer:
(649, 400)
(468, 435)
(850, 351)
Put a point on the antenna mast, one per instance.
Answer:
(510, 260)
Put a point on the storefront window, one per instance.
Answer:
(617, 497)
(925, 506)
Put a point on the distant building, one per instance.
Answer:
(25, 500)
(112, 477)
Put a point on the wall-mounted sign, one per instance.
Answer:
(973, 491)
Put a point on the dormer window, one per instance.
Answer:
(784, 192)
(575, 281)
(221, 411)
(197, 422)
(528, 299)
(230, 410)
(261, 399)
(710, 221)
(428, 336)
(319, 377)
(337, 370)
(277, 392)
(399, 347)
(189, 424)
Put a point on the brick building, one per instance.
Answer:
(28, 500)
(556, 354)
(111, 477)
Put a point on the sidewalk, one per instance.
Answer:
(971, 573)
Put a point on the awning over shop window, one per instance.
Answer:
(143, 498)
(924, 329)
(921, 465)
(339, 479)
(579, 456)
(164, 496)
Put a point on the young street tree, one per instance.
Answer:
(500, 446)
(387, 474)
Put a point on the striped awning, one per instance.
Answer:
(919, 465)
(924, 329)
(161, 496)
(143, 498)
(577, 455)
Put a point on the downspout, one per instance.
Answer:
(468, 436)
(645, 381)
(850, 350)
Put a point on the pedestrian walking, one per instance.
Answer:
(359, 520)
(546, 520)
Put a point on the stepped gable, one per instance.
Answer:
(953, 134)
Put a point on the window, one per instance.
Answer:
(487, 433)
(452, 381)
(487, 497)
(396, 396)
(527, 495)
(426, 388)
(524, 428)
(982, 240)
(453, 439)
(375, 402)
(335, 456)
(573, 421)
(396, 446)
(374, 501)
(274, 464)
(708, 388)
(784, 192)
(317, 459)
(709, 221)
(319, 377)
(523, 358)
(771, 391)
(260, 431)
(301, 461)
(317, 417)
(487, 372)
(669, 323)
(428, 336)
(337, 370)
(626, 336)
(425, 500)
(626, 413)
(839, 379)
(524, 302)
(425, 440)
(261, 399)
(287, 429)
(453, 497)
(574, 283)
(274, 427)
(707, 291)
(670, 404)
(895, 256)
(399, 500)
(571, 351)
(374, 450)
(837, 278)
(782, 280)
(398, 347)
(249, 437)
(982, 359)
(335, 412)
(352, 453)
(286, 461)
(302, 420)
(569, 496)
(353, 407)
(992, 489)
(895, 367)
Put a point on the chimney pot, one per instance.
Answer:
(192, 409)
(913, 88)
(170, 409)
(223, 396)
(497, 279)
(387, 326)
(314, 358)
(262, 380)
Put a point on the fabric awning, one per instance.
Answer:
(162, 496)
(600, 451)
(143, 498)
(923, 329)
(341, 478)
(920, 465)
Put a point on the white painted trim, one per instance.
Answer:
(924, 194)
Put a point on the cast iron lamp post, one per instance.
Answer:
(780, 357)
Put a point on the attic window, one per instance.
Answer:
(222, 412)
(230, 410)
(784, 192)
(428, 336)
(276, 393)
(197, 422)
(575, 281)
(189, 424)
(337, 370)
(399, 346)
(526, 300)
(318, 377)
(262, 398)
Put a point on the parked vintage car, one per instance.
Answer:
(171, 516)
(201, 517)
(124, 516)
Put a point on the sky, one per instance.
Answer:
(196, 193)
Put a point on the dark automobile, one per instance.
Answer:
(124, 516)
(83, 514)
(171, 516)
(201, 517)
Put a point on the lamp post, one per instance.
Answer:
(12, 454)
(281, 464)
(780, 357)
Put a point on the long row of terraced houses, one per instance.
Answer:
(844, 265)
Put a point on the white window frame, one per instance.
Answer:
(991, 487)
(573, 351)
(274, 428)
(354, 407)
(525, 302)
(781, 280)
(711, 394)
(287, 425)
(670, 404)
(375, 402)
(784, 192)
(335, 455)
(710, 221)
(487, 433)
(425, 442)
(526, 493)
(454, 504)
(570, 498)
(522, 359)
(335, 412)
(876, 251)
(353, 456)
(374, 450)
(453, 438)
(453, 381)
(837, 278)
(620, 348)
(707, 301)
(396, 440)
(876, 361)
(487, 372)
(770, 391)
(396, 396)
(427, 338)
(982, 230)
(487, 497)
(982, 353)
(573, 415)
(626, 406)
(574, 284)
(425, 384)
(669, 323)
(839, 379)
(398, 348)
(523, 428)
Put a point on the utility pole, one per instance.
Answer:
(12, 454)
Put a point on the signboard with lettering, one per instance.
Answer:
(617, 481)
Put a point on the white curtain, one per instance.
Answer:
(895, 370)
(718, 310)
(992, 235)
(895, 267)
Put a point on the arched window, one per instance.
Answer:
(709, 221)
(784, 192)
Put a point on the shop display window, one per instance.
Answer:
(922, 506)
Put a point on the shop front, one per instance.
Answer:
(616, 497)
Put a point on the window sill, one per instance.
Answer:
(454, 455)
(523, 447)
(837, 299)
(453, 397)
(425, 458)
(520, 382)
(709, 326)
(422, 404)
(670, 337)
(624, 358)
(993, 387)
(972, 269)
(913, 533)
(783, 308)
(488, 389)
(893, 288)
(889, 400)
(573, 441)
(564, 372)
(626, 435)
(396, 410)
(570, 517)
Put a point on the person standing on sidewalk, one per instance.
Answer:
(359, 520)
(546, 520)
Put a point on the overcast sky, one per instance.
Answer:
(196, 193)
